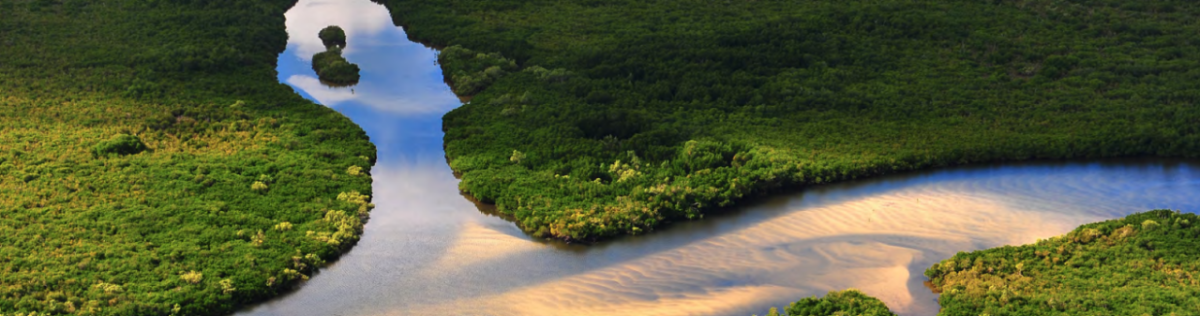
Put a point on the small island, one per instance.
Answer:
(331, 67)
(848, 302)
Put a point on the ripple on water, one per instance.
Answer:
(429, 251)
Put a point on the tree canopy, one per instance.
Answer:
(152, 164)
(836, 303)
(629, 114)
(333, 36)
(1143, 264)
(334, 69)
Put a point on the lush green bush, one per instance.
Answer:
(121, 144)
(152, 164)
(1143, 264)
(332, 68)
(848, 302)
(333, 36)
(717, 101)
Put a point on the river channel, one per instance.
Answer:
(428, 250)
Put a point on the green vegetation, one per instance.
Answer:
(151, 163)
(470, 72)
(1143, 264)
(332, 68)
(332, 36)
(847, 303)
(627, 114)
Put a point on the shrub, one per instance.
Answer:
(120, 144)
(192, 277)
(227, 286)
(360, 201)
(108, 288)
(516, 157)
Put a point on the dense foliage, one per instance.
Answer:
(847, 303)
(151, 164)
(332, 36)
(334, 69)
(470, 72)
(1143, 264)
(621, 115)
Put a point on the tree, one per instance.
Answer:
(332, 68)
(332, 36)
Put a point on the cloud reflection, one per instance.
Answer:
(397, 76)
(321, 93)
(428, 251)
(360, 19)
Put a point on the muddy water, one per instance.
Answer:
(429, 251)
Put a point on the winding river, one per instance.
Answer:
(427, 250)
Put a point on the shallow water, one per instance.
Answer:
(427, 250)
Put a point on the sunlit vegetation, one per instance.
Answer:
(836, 303)
(331, 67)
(1143, 264)
(629, 114)
(151, 163)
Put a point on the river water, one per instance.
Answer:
(427, 250)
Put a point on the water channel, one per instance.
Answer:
(427, 250)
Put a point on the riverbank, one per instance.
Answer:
(1142, 264)
(153, 165)
(658, 117)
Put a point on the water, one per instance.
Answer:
(427, 250)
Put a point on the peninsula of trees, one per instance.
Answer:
(1143, 264)
(151, 163)
(593, 119)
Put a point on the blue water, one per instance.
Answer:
(427, 250)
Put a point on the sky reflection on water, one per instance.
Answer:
(427, 250)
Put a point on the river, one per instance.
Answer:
(427, 250)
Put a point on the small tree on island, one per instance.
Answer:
(331, 67)
(333, 36)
